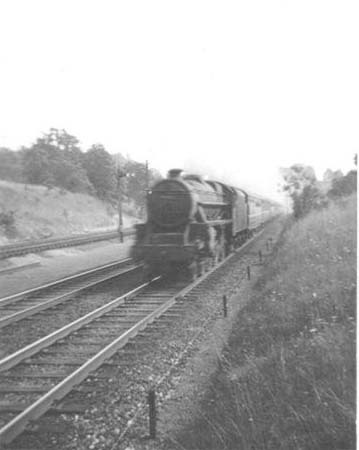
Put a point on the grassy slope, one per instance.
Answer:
(287, 379)
(40, 212)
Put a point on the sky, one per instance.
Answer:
(229, 89)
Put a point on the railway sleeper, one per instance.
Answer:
(115, 318)
(64, 350)
(10, 388)
(102, 334)
(56, 362)
(173, 315)
(93, 341)
(73, 408)
(56, 355)
(99, 342)
(43, 375)
(65, 353)
(144, 301)
(153, 295)
(92, 329)
(130, 311)
(155, 328)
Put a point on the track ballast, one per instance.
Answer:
(73, 354)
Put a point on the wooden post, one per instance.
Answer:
(248, 272)
(120, 222)
(224, 306)
(147, 177)
(120, 174)
(147, 190)
(152, 413)
(260, 256)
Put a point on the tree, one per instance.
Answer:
(56, 160)
(310, 198)
(297, 177)
(10, 165)
(36, 165)
(301, 184)
(101, 171)
(344, 185)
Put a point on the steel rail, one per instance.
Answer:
(40, 406)
(15, 358)
(9, 250)
(11, 318)
(24, 353)
(19, 296)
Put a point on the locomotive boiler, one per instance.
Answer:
(191, 221)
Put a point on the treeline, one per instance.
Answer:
(56, 160)
(307, 193)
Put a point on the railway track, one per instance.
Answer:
(25, 304)
(38, 377)
(9, 250)
(78, 349)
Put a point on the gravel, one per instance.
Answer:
(177, 360)
(26, 331)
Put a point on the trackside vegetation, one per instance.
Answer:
(286, 379)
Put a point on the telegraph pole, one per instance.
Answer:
(147, 188)
(120, 174)
(147, 177)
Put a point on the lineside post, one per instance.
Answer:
(225, 306)
(260, 256)
(152, 413)
(248, 272)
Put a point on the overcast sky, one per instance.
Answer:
(230, 89)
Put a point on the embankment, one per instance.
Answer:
(35, 212)
(287, 377)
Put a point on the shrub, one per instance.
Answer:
(7, 223)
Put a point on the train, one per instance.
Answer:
(192, 222)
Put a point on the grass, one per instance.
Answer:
(42, 212)
(287, 378)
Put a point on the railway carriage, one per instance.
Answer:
(191, 220)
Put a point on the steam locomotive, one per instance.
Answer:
(192, 221)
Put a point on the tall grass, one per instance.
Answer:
(287, 379)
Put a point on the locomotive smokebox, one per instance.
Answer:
(171, 202)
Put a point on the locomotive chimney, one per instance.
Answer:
(174, 173)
